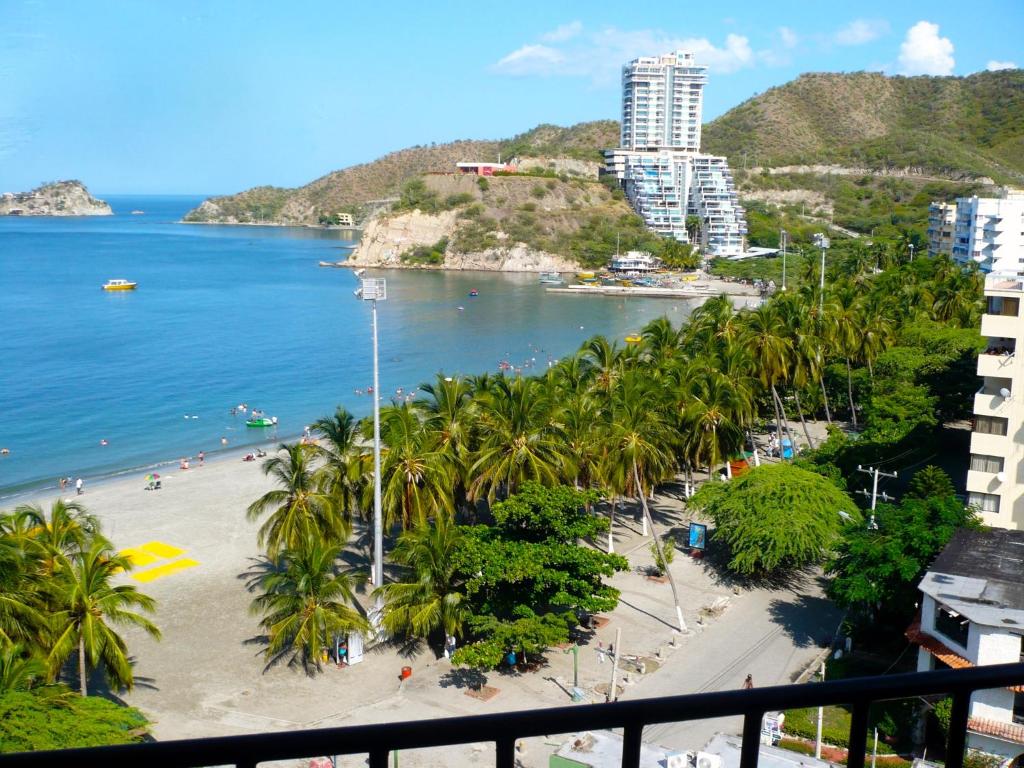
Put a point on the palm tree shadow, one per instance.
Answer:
(463, 677)
(809, 620)
(406, 647)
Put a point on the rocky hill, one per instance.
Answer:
(58, 198)
(954, 127)
(351, 189)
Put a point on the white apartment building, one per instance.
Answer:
(659, 163)
(662, 98)
(995, 477)
(972, 614)
(990, 232)
(941, 220)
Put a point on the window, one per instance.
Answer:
(952, 625)
(998, 305)
(990, 425)
(984, 502)
(981, 463)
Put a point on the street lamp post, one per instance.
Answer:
(822, 242)
(374, 289)
(784, 237)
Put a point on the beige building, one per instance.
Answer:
(995, 477)
(941, 224)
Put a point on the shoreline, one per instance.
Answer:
(278, 225)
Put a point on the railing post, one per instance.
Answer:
(632, 740)
(858, 735)
(751, 739)
(958, 729)
(379, 758)
(505, 753)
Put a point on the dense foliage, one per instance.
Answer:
(52, 718)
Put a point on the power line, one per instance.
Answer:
(873, 493)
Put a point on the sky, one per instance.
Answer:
(214, 96)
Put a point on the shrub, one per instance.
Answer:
(538, 191)
(661, 563)
(454, 201)
(483, 183)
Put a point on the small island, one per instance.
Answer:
(57, 198)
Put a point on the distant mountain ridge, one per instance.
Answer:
(954, 127)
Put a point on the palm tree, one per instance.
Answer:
(428, 597)
(519, 440)
(19, 670)
(21, 599)
(416, 480)
(450, 415)
(604, 359)
(770, 350)
(88, 607)
(846, 328)
(300, 508)
(340, 473)
(68, 528)
(307, 601)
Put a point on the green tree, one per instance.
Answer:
(428, 597)
(66, 529)
(19, 670)
(307, 600)
(340, 473)
(87, 608)
(300, 508)
(47, 719)
(776, 516)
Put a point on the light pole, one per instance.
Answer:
(784, 237)
(822, 242)
(374, 289)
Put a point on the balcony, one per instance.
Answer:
(1003, 326)
(504, 729)
(990, 403)
(990, 444)
(983, 482)
(996, 364)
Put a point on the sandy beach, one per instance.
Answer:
(207, 676)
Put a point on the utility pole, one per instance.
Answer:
(822, 242)
(612, 696)
(876, 473)
(784, 237)
(821, 714)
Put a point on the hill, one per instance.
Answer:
(58, 198)
(957, 127)
(350, 189)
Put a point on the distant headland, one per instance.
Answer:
(57, 198)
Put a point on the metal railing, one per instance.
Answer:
(504, 729)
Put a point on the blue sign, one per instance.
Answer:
(698, 535)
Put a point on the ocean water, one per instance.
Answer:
(227, 315)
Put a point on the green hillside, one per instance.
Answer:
(950, 126)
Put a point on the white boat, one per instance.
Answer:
(551, 278)
(119, 285)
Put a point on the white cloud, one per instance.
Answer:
(600, 55)
(789, 37)
(531, 60)
(860, 31)
(563, 32)
(923, 52)
(995, 66)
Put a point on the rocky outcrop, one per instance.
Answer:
(59, 198)
(387, 238)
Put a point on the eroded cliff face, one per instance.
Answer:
(387, 238)
(60, 198)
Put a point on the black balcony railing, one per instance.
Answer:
(504, 729)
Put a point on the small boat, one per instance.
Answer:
(119, 285)
(551, 278)
(332, 263)
(586, 275)
(634, 338)
(137, 213)
(262, 421)
(474, 292)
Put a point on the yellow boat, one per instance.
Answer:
(119, 285)
(586, 275)
(634, 338)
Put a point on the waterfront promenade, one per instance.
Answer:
(207, 676)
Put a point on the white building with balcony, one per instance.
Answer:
(995, 477)
(941, 221)
(659, 163)
(989, 231)
(972, 614)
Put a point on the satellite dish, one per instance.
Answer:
(1004, 393)
(1001, 477)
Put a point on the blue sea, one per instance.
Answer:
(227, 315)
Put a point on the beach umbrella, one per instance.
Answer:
(151, 477)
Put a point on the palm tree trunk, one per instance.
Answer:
(871, 371)
(824, 397)
(799, 410)
(785, 423)
(81, 665)
(661, 554)
(778, 421)
(849, 389)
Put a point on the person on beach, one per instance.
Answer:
(63, 483)
(78, 486)
(201, 457)
(748, 683)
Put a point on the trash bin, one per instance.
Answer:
(406, 673)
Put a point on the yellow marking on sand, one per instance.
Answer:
(165, 551)
(138, 557)
(165, 570)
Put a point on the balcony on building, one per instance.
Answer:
(998, 358)
(994, 396)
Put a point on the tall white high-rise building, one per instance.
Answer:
(662, 98)
(659, 163)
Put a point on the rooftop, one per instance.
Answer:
(980, 574)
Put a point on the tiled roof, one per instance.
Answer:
(940, 650)
(1005, 731)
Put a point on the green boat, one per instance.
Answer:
(263, 421)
